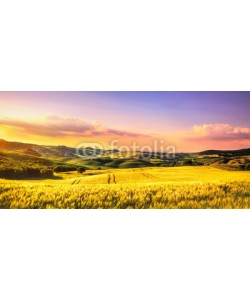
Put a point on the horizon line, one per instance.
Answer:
(63, 145)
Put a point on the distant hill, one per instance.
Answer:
(37, 149)
(4, 145)
(226, 152)
(64, 151)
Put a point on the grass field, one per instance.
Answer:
(181, 187)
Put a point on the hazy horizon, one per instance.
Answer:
(190, 121)
(64, 145)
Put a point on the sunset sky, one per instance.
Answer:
(190, 121)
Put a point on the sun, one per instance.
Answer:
(1, 133)
(8, 134)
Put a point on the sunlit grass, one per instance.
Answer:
(187, 187)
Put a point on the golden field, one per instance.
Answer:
(144, 188)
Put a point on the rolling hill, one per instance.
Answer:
(66, 158)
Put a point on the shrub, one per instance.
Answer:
(188, 162)
(242, 167)
(81, 170)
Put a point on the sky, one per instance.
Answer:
(189, 121)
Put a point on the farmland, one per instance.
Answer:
(142, 188)
(33, 176)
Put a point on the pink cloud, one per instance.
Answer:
(220, 131)
(55, 126)
(211, 136)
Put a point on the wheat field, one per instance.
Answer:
(146, 188)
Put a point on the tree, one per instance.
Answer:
(188, 162)
(81, 170)
(242, 167)
(247, 168)
(64, 168)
